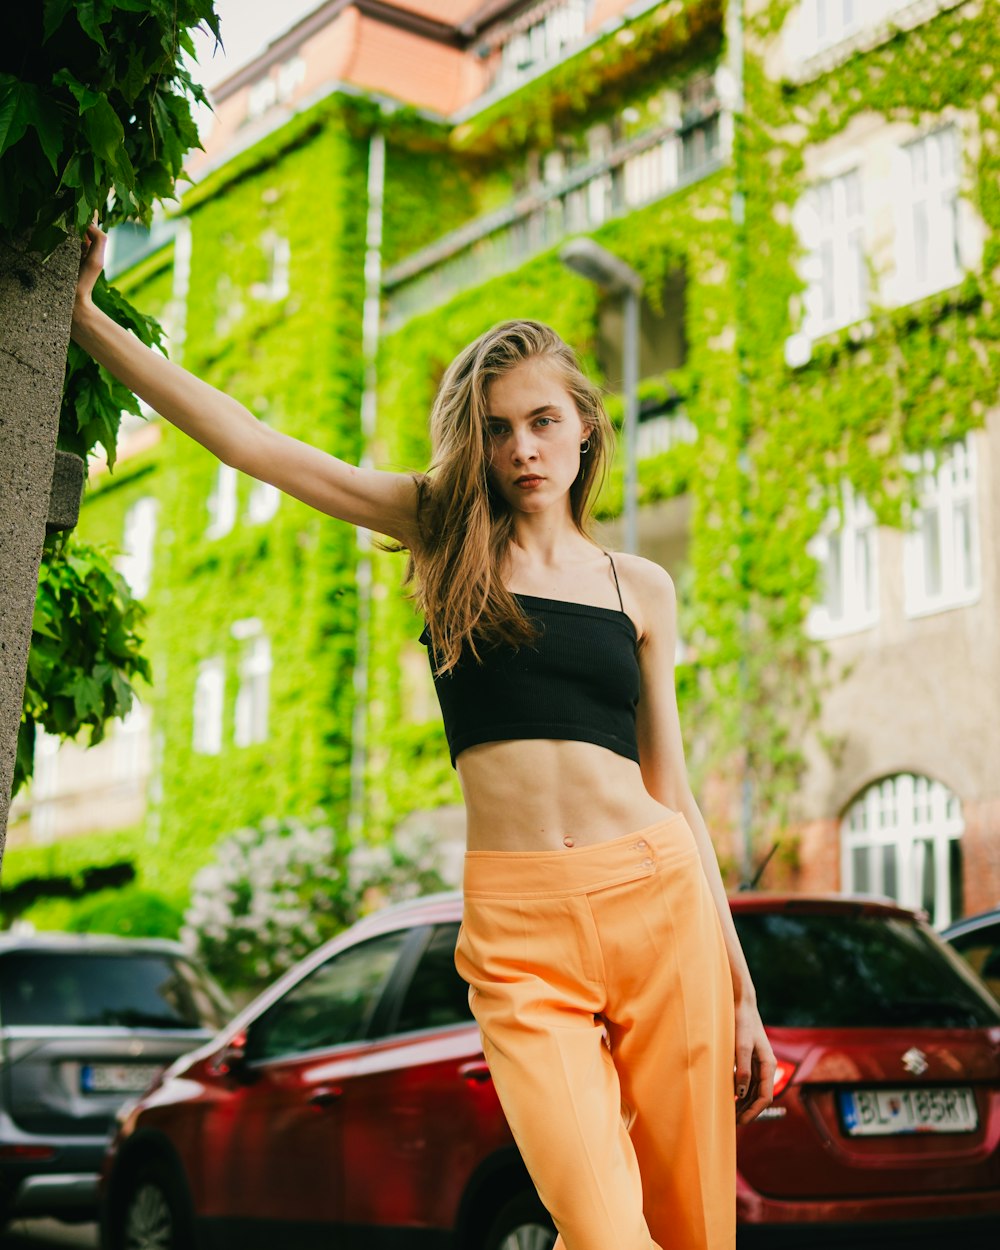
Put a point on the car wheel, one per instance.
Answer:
(522, 1224)
(155, 1214)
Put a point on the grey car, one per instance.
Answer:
(977, 940)
(85, 1024)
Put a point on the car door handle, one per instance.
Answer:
(325, 1096)
(476, 1073)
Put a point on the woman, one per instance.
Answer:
(603, 963)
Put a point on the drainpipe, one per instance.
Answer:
(369, 353)
(736, 59)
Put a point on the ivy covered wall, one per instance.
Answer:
(772, 455)
(769, 459)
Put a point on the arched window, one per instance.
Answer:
(902, 837)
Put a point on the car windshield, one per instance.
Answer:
(140, 990)
(843, 970)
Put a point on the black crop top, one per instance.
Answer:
(579, 680)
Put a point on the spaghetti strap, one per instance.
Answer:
(617, 587)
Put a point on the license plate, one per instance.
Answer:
(117, 1078)
(887, 1112)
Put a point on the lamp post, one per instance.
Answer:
(597, 264)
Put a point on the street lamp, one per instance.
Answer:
(597, 264)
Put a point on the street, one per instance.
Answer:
(48, 1235)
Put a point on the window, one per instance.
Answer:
(847, 550)
(136, 561)
(537, 40)
(229, 307)
(263, 502)
(209, 692)
(278, 255)
(222, 503)
(437, 997)
(253, 694)
(830, 223)
(831, 20)
(838, 970)
(941, 553)
(902, 838)
(45, 785)
(261, 96)
(130, 743)
(291, 75)
(927, 235)
(980, 948)
(94, 990)
(332, 1005)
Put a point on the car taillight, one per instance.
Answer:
(783, 1073)
(27, 1152)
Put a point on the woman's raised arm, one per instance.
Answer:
(380, 501)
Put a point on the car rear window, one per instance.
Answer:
(838, 970)
(94, 990)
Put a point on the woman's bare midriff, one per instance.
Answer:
(542, 794)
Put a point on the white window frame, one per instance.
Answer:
(911, 816)
(253, 696)
(542, 41)
(222, 504)
(261, 96)
(129, 743)
(830, 220)
(136, 560)
(209, 705)
(929, 214)
(291, 74)
(278, 254)
(826, 22)
(262, 502)
(948, 518)
(815, 46)
(846, 548)
(45, 785)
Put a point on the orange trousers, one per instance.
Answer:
(599, 979)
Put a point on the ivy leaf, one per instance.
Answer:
(41, 621)
(87, 696)
(104, 129)
(87, 16)
(48, 123)
(85, 98)
(54, 14)
(15, 112)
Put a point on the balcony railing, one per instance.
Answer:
(632, 175)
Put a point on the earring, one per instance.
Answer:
(585, 445)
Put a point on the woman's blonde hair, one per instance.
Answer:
(465, 524)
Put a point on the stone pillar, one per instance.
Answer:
(36, 305)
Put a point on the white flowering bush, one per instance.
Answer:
(274, 892)
(279, 889)
(409, 865)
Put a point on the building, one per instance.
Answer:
(818, 433)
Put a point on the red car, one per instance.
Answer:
(351, 1105)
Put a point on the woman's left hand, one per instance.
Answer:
(754, 1077)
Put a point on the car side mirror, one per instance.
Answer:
(231, 1060)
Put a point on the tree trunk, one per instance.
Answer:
(36, 305)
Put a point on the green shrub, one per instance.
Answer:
(129, 912)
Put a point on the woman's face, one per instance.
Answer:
(534, 434)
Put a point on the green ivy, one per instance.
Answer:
(95, 119)
(767, 465)
(85, 650)
(769, 461)
(599, 80)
